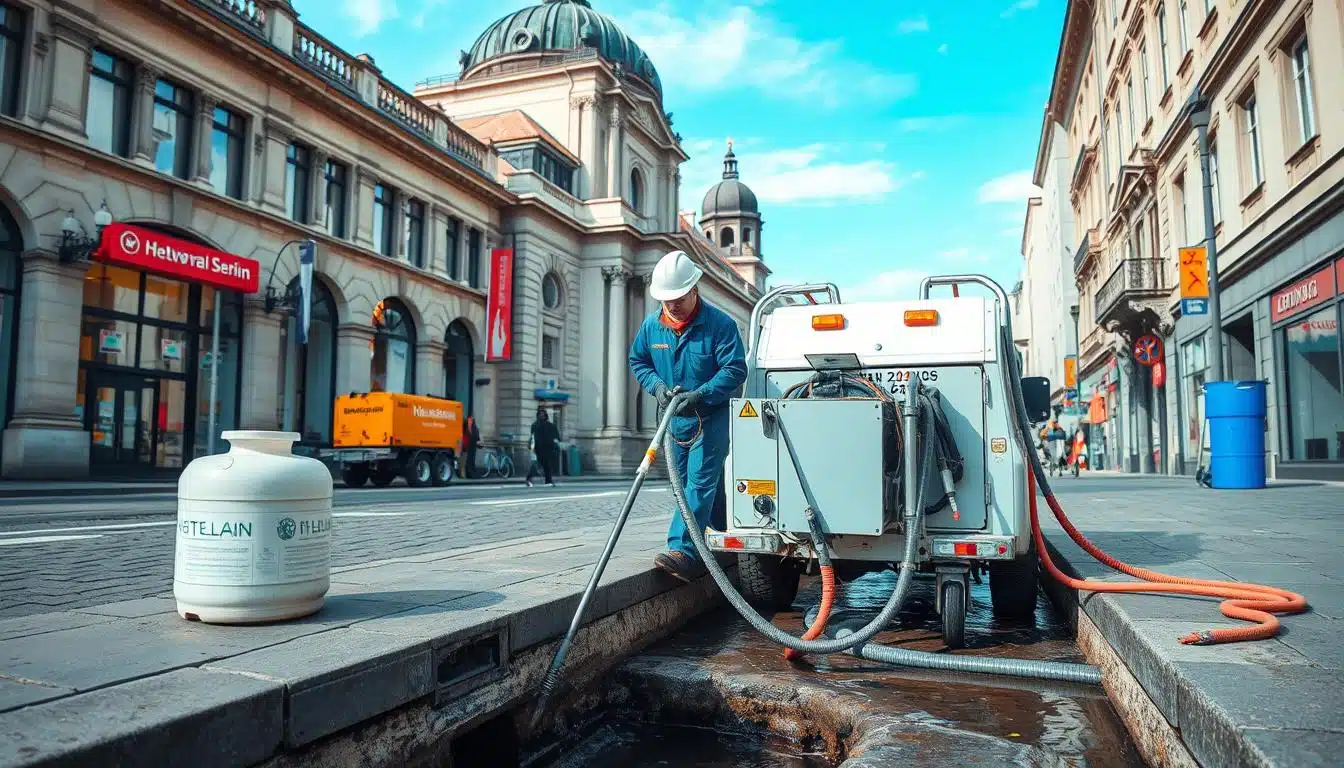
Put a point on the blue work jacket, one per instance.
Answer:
(708, 357)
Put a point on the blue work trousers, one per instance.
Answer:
(700, 464)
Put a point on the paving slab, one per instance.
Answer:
(1277, 702)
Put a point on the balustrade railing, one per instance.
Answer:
(1131, 276)
(250, 12)
(466, 147)
(323, 56)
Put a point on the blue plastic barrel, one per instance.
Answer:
(1236, 414)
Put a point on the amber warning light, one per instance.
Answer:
(916, 318)
(828, 322)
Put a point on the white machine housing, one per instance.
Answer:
(838, 442)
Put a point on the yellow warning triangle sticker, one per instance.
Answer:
(747, 411)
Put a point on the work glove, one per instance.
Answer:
(663, 395)
(690, 401)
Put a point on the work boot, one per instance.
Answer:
(680, 565)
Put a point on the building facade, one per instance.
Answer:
(232, 131)
(1124, 90)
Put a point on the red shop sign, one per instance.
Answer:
(126, 245)
(1303, 295)
(499, 309)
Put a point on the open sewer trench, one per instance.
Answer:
(718, 694)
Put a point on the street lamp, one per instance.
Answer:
(76, 244)
(1077, 340)
(291, 297)
(1201, 112)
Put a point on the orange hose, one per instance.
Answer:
(823, 613)
(1241, 600)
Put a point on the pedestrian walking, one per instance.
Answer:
(471, 440)
(690, 345)
(545, 445)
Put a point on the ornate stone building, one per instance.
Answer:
(207, 129)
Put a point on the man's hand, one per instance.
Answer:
(663, 395)
(690, 400)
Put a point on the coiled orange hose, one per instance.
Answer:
(823, 612)
(1241, 600)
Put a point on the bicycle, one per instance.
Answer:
(495, 461)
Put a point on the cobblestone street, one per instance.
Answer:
(62, 555)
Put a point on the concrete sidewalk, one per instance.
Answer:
(28, 489)
(405, 652)
(1274, 702)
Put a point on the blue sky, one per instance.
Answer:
(885, 139)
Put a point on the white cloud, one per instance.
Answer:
(796, 175)
(1020, 5)
(962, 255)
(942, 49)
(929, 124)
(910, 26)
(368, 15)
(725, 50)
(1010, 188)
(418, 20)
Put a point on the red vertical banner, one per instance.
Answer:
(499, 308)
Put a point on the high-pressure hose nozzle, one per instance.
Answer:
(949, 486)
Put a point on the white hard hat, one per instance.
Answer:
(674, 277)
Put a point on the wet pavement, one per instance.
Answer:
(931, 718)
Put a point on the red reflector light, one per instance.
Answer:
(1003, 549)
(732, 542)
(964, 549)
(916, 318)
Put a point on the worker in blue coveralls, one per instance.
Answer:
(689, 344)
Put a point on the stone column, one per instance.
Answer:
(68, 48)
(354, 358)
(614, 186)
(45, 439)
(280, 20)
(648, 413)
(205, 127)
(1124, 441)
(261, 360)
(146, 77)
(436, 225)
(429, 367)
(277, 138)
(318, 201)
(361, 225)
(617, 347)
(586, 125)
(676, 202)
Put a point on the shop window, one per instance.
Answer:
(228, 130)
(11, 246)
(11, 58)
(414, 232)
(1194, 372)
(112, 289)
(108, 118)
(298, 182)
(310, 370)
(229, 366)
(336, 174)
(459, 366)
(383, 229)
(450, 241)
(474, 258)
(166, 300)
(1312, 391)
(393, 366)
(171, 128)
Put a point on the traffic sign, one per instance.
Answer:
(1194, 307)
(1148, 349)
(1194, 273)
(1070, 371)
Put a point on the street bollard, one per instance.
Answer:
(253, 533)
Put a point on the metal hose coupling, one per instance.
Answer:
(949, 486)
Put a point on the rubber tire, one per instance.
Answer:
(415, 477)
(768, 581)
(954, 614)
(1014, 586)
(444, 469)
(505, 468)
(382, 476)
(355, 475)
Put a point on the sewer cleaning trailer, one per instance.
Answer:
(379, 436)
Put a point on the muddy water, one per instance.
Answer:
(937, 718)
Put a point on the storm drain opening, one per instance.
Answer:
(492, 744)
(470, 664)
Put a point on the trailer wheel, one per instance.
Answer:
(420, 470)
(1013, 587)
(768, 580)
(383, 475)
(355, 475)
(954, 614)
(444, 466)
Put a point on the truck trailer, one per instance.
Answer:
(378, 436)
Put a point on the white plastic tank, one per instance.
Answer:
(253, 532)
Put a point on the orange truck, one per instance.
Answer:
(380, 436)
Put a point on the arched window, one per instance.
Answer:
(709, 236)
(726, 237)
(393, 367)
(637, 190)
(552, 292)
(310, 370)
(11, 267)
(746, 235)
(459, 377)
